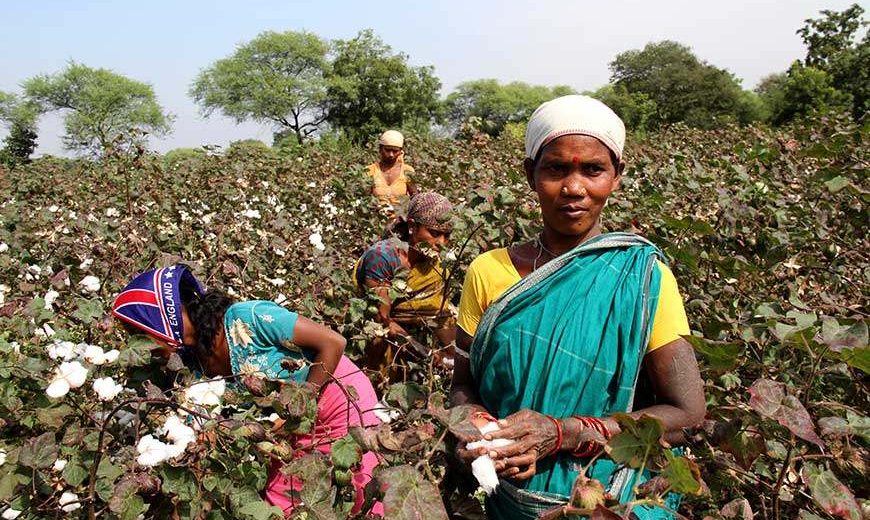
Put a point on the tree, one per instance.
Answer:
(20, 118)
(635, 108)
(103, 109)
(372, 89)
(800, 92)
(277, 78)
(683, 87)
(494, 105)
(833, 47)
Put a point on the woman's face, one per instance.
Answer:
(389, 154)
(422, 234)
(573, 177)
(165, 350)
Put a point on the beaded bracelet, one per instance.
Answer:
(558, 425)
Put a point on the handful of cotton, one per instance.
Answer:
(483, 468)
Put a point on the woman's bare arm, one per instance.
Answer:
(327, 345)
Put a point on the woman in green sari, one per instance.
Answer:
(557, 331)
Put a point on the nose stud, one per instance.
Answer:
(564, 190)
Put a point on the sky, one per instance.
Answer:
(547, 42)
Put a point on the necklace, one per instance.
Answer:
(541, 249)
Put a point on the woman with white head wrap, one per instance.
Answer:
(558, 330)
(390, 173)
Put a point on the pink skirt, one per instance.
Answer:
(335, 415)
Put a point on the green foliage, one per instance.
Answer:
(802, 91)
(277, 78)
(763, 228)
(683, 88)
(372, 89)
(833, 46)
(488, 106)
(20, 117)
(103, 110)
(636, 109)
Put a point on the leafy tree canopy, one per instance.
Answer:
(372, 89)
(493, 105)
(104, 110)
(835, 46)
(799, 92)
(19, 117)
(683, 87)
(277, 78)
(635, 108)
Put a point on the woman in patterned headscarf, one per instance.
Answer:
(408, 262)
(556, 331)
(219, 337)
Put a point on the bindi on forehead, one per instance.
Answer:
(575, 161)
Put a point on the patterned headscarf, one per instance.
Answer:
(431, 210)
(152, 302)
(574, 114)
(392, 138)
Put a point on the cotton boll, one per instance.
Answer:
(69, 502)
(67, 376)
(112, 355)
(206, 393)
(94, 354)
(90, 284)
(58, 465)
(64, 350)
(483, 468)
(177, 431)
(106, 388)
(50, 297)
(10, 514)
(151, 451)
(2, 457)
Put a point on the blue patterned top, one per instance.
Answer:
(260, 336)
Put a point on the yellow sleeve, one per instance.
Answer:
(472, 302)
(488, 276)
(670, 321)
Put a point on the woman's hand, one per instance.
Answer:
(468, 430)
(534, 434)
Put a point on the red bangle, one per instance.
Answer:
(590, 448)
(484, 415)
(558, 425)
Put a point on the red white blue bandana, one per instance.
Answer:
(152, 302)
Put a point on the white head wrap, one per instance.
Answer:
(574, 114)
(392, 138)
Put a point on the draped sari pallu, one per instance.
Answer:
(569, 339)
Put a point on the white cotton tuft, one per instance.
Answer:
(483, 468)
(69, 502)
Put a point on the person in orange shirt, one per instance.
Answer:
(389, 174)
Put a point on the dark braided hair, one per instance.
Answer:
(206, 312)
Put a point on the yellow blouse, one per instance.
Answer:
(493, 272)
(389, 193)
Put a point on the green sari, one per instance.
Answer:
(569, 339)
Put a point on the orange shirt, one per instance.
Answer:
(389, 193)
